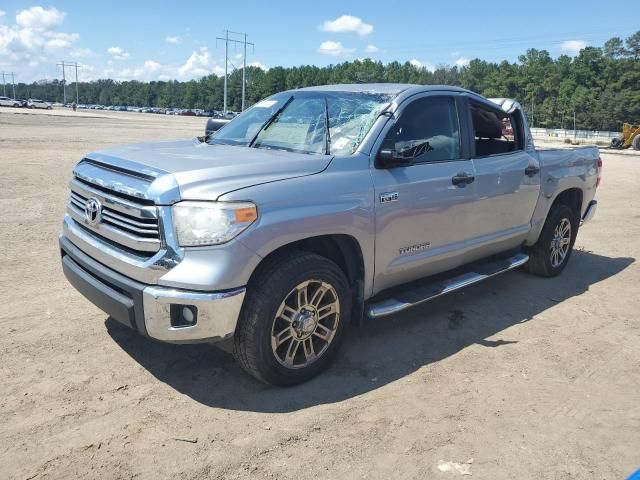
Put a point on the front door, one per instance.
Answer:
(423, 208)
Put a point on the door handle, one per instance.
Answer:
(531, 170)
(462, 179)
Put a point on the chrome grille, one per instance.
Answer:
(123, 221)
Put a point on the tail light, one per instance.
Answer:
(599, 172)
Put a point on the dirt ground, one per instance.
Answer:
(518, 377)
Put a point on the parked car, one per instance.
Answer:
(9, 102)
(317, 208)
(35, 103)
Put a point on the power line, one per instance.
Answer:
(244, 43)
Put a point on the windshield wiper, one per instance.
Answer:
(269, 121)
(327, 135)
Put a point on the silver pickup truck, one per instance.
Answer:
(317, 208)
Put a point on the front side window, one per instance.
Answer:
(427, 131)
(333, 123)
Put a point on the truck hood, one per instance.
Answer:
(168, 171)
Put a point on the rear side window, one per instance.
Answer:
(427, 131)
(495, 132)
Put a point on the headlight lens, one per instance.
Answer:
(211, 223)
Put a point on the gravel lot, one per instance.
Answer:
(519, 377)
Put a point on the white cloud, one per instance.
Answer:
(259, 65)
(2, 13)
(33, 44)
(573, 46)
(81, 52)
(418, 64)
(175, 40)
(199, 64)
(40, 18)
(148, 71)
(371, 49)
(118, 53)
(347, 23)
(462, 62)
(58, 40)
(56, 43)
(335, 49)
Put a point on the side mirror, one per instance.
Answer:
(388, 158)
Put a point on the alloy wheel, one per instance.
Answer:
(305, 324)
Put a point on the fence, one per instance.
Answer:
(560, 133)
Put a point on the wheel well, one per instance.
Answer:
(344, 250)
(572, 198)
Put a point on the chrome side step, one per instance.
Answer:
(424, 292)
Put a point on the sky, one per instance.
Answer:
(161, 40)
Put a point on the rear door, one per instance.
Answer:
(422, 209)
(507, 179)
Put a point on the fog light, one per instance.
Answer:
(188, 315)
(183, 315)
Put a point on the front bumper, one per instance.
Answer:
(148, 308)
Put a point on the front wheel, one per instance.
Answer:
(293, 319)
(551, 253)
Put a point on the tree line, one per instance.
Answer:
(600, 84)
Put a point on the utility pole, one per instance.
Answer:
(4, 83)
(64, 84)
(64, 80)
(244, 71)
(226, 68)
(244, 42)
(533, 107)
(575, 133)
(77, 96)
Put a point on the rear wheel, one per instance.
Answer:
(549, 256)
(636, 142)
(293, 320)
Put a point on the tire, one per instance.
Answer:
(542, 260)
(636, 142)
(616, 143)
(274, 294)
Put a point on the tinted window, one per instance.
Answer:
(427, 131)
(495, 132)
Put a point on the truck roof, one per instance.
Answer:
(404, 90)
(384, 88)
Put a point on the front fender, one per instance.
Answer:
(338, 200)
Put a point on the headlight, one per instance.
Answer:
(211, 223)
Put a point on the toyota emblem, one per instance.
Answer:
(92, 211)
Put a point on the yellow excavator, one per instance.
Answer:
(630, 137)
